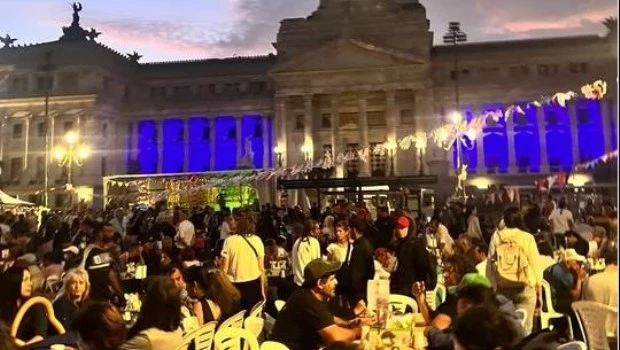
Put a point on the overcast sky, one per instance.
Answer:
(164, 30)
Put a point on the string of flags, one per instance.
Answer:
(561, 179)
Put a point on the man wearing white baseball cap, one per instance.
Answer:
(566, 279)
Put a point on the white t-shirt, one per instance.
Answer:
(186, 234)
(242, 261)
(337, 252)
(304, 251)
(559, 219)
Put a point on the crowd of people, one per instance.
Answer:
(211, 264)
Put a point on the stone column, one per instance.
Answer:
(266, 150)
(186, 144)
(134, 137)
(510, 135)
(281, 126)
(363, 129)
(211, 122)
(607, 109)
(482, 168)
(160, 145)
(26, 142)
(572, 109)
(52, 131)
(392, 123)
(238, 135)
(542, 139)
(2, 138)
(309, 124)
(335, 137)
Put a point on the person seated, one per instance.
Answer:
(484, 327)
(159, 324)
(473, 290)
(566, 280)
(100, 327)
(15, 291)
(306, 322)
(72, 296)
(217, 297)
(603, 288)
(455, 267)
(575, 241)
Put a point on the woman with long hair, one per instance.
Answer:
(337, 251)
(15, 290)
(305, 249)
(72, 295)
(243, 260)
(100, 327)
(159, 323)
(218, 297)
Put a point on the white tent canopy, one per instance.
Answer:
(5, 199)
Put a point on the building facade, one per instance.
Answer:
(353, 73)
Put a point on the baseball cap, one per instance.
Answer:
(571, 254)
(317, 269)
(474, 279)
(402, 222)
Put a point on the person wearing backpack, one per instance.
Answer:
(513, 254)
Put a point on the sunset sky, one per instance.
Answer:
(164, 30)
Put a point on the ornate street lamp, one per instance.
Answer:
(279, 153)
(71, 153)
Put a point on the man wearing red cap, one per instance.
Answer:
(415, 264)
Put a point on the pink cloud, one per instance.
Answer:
(567, 22)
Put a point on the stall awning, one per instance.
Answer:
(392, 182)
(5, 199)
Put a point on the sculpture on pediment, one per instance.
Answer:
(92, 34)
(77, 7)
(134, 57)
(8, 41)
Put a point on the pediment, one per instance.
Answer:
(345, 54)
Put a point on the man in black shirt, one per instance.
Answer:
(415, 264)
(97, 261)
(305, 322)
(361, 266)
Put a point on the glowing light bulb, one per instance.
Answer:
(72, 137)
(456, 117)
(59, 153)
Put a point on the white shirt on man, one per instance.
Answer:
(304, 251)
(603, 288)
(186, 234)
(242, 259)
(560, 220)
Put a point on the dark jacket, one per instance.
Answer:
(362, 269)
(65, 311)
(415, 264)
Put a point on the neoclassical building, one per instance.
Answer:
(351, 74)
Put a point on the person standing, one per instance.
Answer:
(562, 221)
(186, 233)
(519, 282)
(305, 249)
(243, 260)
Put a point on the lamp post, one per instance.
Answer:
(391, 148)
(454, 36)
(279, 153)
(71, 153)
(307, 152)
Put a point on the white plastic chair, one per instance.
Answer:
(592, 318)
(399, 303)
(234, 321)
(254, 325)
(550, 312)
(573, 345)
(436, 296)
(203, 338)
(522, 316)
(231, 339)
(188, 338)
(273, 345)
(257, 310)
(279, 304)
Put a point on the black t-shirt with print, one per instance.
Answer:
(98, 264)
(300, 320)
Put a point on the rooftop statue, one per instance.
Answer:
(134, 57)
(8, 41)
(92, 34)
(77, 7)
